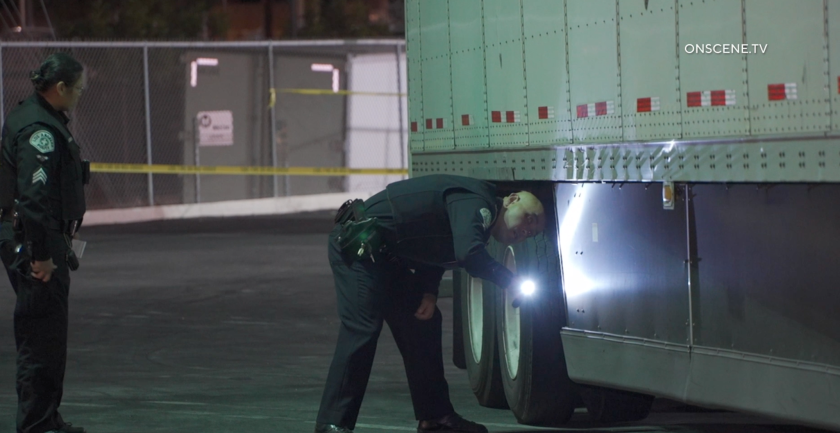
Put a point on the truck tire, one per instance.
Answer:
(479, 336)
(533, 367)
(611, 405)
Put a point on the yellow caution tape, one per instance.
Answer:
(99, 167)
(340, 92)
(272, 97)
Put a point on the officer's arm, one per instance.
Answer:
(37, 172)
(468, 233)
(428, 278)
(7, 187)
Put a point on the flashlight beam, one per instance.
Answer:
(528, 288)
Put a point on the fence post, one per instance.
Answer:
(273, 115)
(399, 105)
(196, 143)
(148, 123)
(2, 91)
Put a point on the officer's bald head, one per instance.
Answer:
(522, 217)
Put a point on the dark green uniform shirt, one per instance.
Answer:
(440, 222)
(41, 168)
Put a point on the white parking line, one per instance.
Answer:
(387, 427)
(177, 403)
(70, 403)
(516, 426)
(243, 322)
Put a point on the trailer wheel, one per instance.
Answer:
(536, 384)
(479, 337)
(611, 405)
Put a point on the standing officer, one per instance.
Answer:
(42, 202)
(388, 255)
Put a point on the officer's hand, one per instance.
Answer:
(43, 270)
(514, 292)
(427, 307)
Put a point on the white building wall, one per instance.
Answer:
(377, 136)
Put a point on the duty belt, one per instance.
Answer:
(67, 227)
(360, 236)
(70, 227)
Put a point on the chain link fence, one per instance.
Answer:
(290, 104)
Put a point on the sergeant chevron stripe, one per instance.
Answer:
(39, 176)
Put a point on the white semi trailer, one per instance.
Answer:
(689, 154)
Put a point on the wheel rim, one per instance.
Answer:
(476, 317)
(511, 334)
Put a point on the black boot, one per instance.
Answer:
(450, 423)
(331, 428)
(68, 428)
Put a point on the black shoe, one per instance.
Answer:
(68, 428)
(450, 423)
(331, 428)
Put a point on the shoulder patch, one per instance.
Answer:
(43, 141)
(487, 217)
